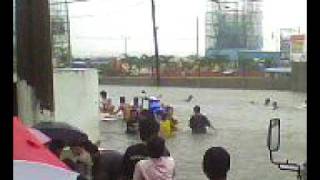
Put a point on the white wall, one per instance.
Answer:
(28, 105)
(76, 99)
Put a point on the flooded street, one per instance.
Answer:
(241, 129)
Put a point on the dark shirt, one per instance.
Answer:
(108, 166)
(134, 154)
(198, 123)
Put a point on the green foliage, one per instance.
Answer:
(62, 56)
(108, 70)
(269, 63)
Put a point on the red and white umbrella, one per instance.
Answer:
(44, 139)
(32, 160)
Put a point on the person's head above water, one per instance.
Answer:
(196, 109)
(156, 147)
(148, 126)
(103, 94)
(122, 99)
(216, 163)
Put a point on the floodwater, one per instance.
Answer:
(241, 129)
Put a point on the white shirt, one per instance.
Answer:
(162, 168)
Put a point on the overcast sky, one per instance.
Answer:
(98, 27)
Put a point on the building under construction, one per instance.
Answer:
(232, 25)
(60, 32)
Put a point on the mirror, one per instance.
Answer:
(273, 141)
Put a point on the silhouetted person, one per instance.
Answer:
(190, 97)
(267, 101)
(199, 122)
(275, 105)
(108, 166)
(103, 101)
(148, 128)
(216, 163)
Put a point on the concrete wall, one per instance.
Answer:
(212, 82)
(299, 76)
(76, 99)
(28, 105)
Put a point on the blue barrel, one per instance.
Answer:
(154, 105)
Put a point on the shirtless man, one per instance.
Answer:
(124, 108)
(109, 107)
(103, 102)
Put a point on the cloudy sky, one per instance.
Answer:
(98, 27)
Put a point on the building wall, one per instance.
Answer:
(28, 105)
(76, 99)
(299, 76)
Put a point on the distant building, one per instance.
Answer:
(252, 54)
(232, 25)
(277, 72)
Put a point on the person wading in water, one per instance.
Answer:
(199, 122)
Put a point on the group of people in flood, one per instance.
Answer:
(198, 122)
(149, 159)
(132, 113)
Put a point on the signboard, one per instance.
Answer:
(285, 34)
(297, 43)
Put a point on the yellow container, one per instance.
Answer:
(165, 128)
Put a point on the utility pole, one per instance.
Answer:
(198, 45)
(155, 42)
(197, 37)
(125, 47)
(69, 55)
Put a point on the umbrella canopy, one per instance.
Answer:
(61, 131)
(44, 139)
(32, 160)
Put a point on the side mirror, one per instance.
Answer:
(273, 141)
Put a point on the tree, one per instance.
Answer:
(62, 56)
(269, 63)
(108, 69)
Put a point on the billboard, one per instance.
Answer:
(285, 35)
(297, 47)
(297, 43)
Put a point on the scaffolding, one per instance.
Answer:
(60, 32)
(233, 24)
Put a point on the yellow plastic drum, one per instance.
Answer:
(165, 128)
